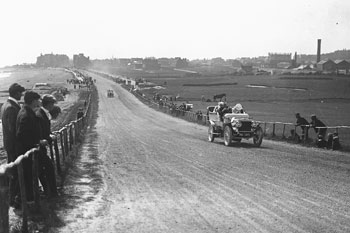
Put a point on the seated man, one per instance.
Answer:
(222, 110)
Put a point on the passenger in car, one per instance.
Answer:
(238, 108)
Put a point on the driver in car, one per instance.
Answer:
(222, 110)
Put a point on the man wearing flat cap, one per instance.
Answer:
(9, 112)
(46, 168)
(28, 136)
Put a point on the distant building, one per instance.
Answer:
(217, 61)
(138, 65)
(124, 62)
(247, 69)
(52, 60)
(150, 64)
(342, 66)
(164, 62)
(276, 58)
(234, 62)
(181, 63)
(328, 65)
(80, 61)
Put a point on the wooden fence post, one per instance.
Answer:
(71, 141)
(35, 169)
(75, 124)
(23, 198)
(62, 145)
(57, 153)
(284, 129)
(65, 133)
(4, 204)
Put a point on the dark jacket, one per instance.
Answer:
(317, 123)
(28, 130)
(301, 121)
(45, 125)
(9, 112)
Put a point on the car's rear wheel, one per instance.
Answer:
(228, 135)
(258, 137)
(211, 135)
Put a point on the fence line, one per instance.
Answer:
(64, 142)
(278, 128)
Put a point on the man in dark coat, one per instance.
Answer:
(315, 123)
(80, 113)
(303, 123)
(9, 112)
(222, 110)
(28, 135)
(46, 168)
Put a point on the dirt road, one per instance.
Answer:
(143, 171)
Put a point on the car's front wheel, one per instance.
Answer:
(258, 137)
(211, 135)
(228, 135)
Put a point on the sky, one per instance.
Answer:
(194, 29)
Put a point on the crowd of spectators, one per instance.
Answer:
(26, 127)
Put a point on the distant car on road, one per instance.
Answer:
(110, 93)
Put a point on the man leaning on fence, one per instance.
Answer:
(303, 123)
(28, 135)
(319, 126)
(9, 112)
(46, 168)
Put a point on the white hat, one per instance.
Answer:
(238, 107)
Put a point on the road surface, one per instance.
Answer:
(140, 170)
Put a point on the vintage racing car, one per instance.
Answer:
(233, 127)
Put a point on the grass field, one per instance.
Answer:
(269, 98)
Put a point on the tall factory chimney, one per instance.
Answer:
(318, 50)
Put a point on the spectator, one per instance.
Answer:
(316, 124)
(55, 111)
(9, 112)
(28, 135)
(303, 123)
(80, 113)
(46, 168)
(199, 115)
